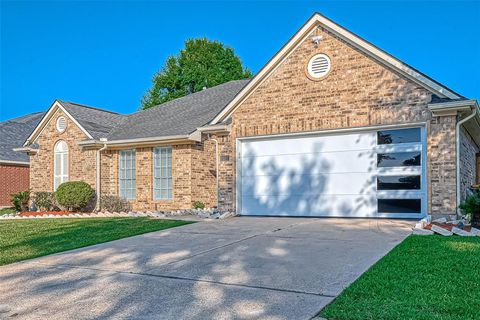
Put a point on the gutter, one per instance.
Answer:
(98, 181)
(26, 150)
(139, 141)
(18, 163)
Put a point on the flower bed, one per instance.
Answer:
(44, 213)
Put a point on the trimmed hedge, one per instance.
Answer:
(74, 195)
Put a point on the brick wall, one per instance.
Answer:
(192, 174)
(13, 179)
(357, 92)
(81, 163)
(468, 161)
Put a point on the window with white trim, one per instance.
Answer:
(127, 174)
(60, 164)
(162, 173)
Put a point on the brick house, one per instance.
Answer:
(14, 172)
(330, 126)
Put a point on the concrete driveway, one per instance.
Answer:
(241, 268)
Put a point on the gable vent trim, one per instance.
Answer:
(61, 124)
(319, 66)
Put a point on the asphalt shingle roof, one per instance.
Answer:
(13, 134)
(181, 116)
(96, 121)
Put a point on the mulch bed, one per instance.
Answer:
(45, 213)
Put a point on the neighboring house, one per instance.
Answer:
(330, 126)
(14, 172)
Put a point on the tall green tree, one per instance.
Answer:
(201, 63)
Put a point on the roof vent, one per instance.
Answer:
(319, 66)
(61, 124)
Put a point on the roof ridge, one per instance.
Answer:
(89, 107)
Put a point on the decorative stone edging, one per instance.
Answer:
(444, 227)
(199, 213)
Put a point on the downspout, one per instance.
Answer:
(98, 180)
(216, 167)
(458, 146)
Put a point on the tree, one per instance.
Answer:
(202, 63)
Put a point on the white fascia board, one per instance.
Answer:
(215, 128)
(364, 46)
(10, 162)
(26, 150)
(139, 141)
(39, 128)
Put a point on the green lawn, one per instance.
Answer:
(7, 211)
(425, 277)
(25, 239)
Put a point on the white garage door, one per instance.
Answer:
(377, 173)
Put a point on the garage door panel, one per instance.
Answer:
(352, 183)
(313, 163)
(327, 143)
(304, 205)
(333, 175)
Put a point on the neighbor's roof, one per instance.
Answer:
(13, 133)
(181, 116)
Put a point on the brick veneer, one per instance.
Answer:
(192, 170)
(81, 163)
(13, 179)
(357, 92)
(468, 162)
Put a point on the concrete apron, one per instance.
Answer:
(241, 268)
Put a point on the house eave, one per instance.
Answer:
(27, 150)
(452, 107)
(139, 142)
(219, 128)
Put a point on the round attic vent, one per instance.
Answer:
(319, 66)
(61, 124)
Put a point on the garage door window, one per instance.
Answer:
(399, 205)
(399, 136)
(398, 182)
(399, 159)
(399, 155)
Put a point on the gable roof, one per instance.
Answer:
(181, 116)
(97, 122)
(357, 42)
(13, 133)
(94, 122)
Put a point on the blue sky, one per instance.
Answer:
(104, 54)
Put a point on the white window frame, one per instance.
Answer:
(127, 175)
(162, 173)
(60, 170)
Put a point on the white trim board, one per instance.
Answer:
(364, 46)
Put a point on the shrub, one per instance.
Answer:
(20, 200)
(44, 200)
(74, 195)
(471, 207)
(114, 204)
(198, 205)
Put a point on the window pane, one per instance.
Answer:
(398, 183)
(398, 159)
(399, 205)
(399, 136)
